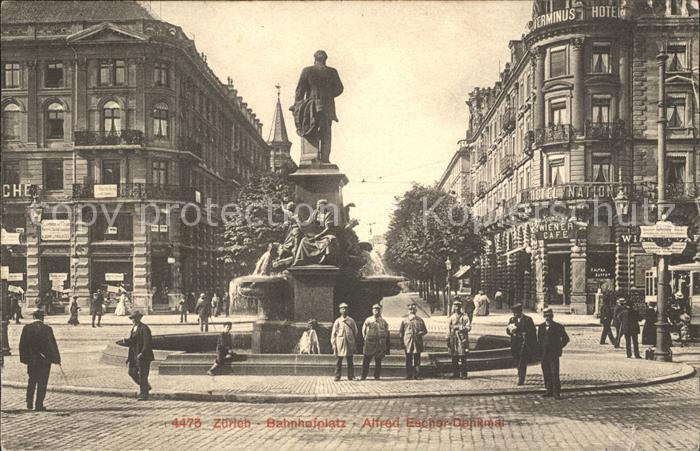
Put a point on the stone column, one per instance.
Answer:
(625, 111)
(539, 87)
(80, 261)
(141, 295)
(578, 98)
(33, 266)
(81, 105)
(578, 279)
(540, 274)
(32, 104)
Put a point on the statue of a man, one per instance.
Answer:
(314, 108)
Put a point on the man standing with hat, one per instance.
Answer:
(458, 340)
(140, 354)
(629, 328)
(411, 331)
(552, 338)
(375, 332)
(344, 341)
(523, 340)
(616, 319)
(38, 350)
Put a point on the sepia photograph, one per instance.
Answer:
(313, 225)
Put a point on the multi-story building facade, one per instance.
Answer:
(571, 126)
(115, 122)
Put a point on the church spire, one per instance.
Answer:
(280, 158)
(278, 132)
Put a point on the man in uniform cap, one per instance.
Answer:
(523, 340)
(552, 338)
(344, 341)
(411, 331)
(375, 332)
(458, 340)
(38, 350)
(140, 354)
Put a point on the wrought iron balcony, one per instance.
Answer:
(112, 138)
(554, 134)
(191, 145)
(507, 165)
(138, 191)
(605, 130)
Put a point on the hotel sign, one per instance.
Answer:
(573, 191)
(556, 231)
(573, 14)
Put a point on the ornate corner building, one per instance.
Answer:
(559, 158)
(113, 120)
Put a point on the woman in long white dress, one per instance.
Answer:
(121, 305)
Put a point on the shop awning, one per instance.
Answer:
(464, 269)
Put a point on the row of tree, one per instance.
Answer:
(427, 227)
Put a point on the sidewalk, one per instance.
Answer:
(110, 319)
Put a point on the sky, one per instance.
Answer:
(407, 68)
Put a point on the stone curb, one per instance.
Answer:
(685, 371)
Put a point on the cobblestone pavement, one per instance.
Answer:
(662, 417)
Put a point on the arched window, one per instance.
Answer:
(111, 118)
(54, 121)
(10, 121)
(160, 120)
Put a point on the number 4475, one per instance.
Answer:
(189, 422)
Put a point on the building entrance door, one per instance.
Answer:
(559, 267)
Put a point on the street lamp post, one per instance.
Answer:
(448, 267)
(662, 351)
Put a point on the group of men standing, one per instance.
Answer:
(626, 320)
(545, 341)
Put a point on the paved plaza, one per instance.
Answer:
(610, 402)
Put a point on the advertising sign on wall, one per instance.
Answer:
(55, 230)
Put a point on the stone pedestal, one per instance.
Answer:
(313, 292)
(271, 337)
(319, 181)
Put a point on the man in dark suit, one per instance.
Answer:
(616, 320)
(552, 338)
(314, 105)
(140, 354)
(96, 303)
(629, 328)
(606, 316)
(523, 340)
(224, 349)
(38, 350)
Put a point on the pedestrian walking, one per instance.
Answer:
(203, 310)
(344, 341)
(458, 340)
(523, 340)
(469, 308)
(96, 307)
(224, 350)
(498, 298)
(649, 329)
(182, 308)
(552, 338)
(16, 309)
(74, 309)
(140, 354)
(226, 304)
(606, 316)
(191, 302)
(121, 309)
(482, 304)
(629, 328)
(375, 332)
(616, 320)
(38, 350)
(412, 331)
(215, 304)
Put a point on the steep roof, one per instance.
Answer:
(278, 133)
(15, 12)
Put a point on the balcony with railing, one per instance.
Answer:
(554, 134)
(191, 145)
(507, 165)
(109, 138)
(605, 130)
(135, 191)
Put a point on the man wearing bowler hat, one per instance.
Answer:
(38, 350)
(458, 340)
(344, 341)
(552, 338)
(523, 340)
(140, 354)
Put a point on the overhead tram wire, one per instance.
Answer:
(382, 178)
